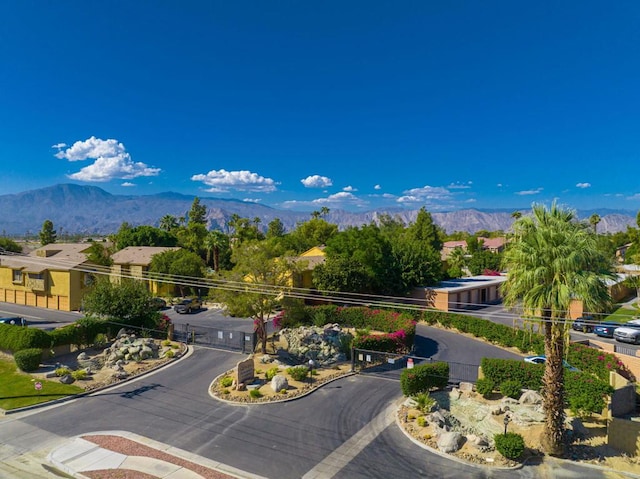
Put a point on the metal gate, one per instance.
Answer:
(214, 337)
(391, 365)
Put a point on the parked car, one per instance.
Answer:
(543, 359)
(585, 324)
(628, 332)
(158, 303)
(188, 305)
(606, 328)
(15, 320)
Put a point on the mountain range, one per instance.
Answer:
(89, 210)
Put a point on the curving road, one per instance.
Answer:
(343, 430)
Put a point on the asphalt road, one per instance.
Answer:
(347, 418)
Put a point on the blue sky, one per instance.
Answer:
(345, 104)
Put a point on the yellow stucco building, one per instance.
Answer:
(54, 276)
(133, 262)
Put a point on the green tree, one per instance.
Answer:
(143, 235)
(594, 219)
(482, 260)
(457, 262)
(99, 254)
(552, 261)
(47, 233)
(168, 223)
(256, 284)
(417, 262)
(424, 229)
(10, 245)
(179, 267)
(197, 213)
(314, 232)
(126, 302)
(215, 242)
(192, 237)
(275, 228)
(342, 274)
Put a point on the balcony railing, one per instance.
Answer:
(36, 284)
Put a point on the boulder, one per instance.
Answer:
(279, 382)
(82, 356)
(465, 387)
(266, 359)
(450, 441)
(67, 379)
(530, 397)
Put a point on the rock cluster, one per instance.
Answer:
(324, 345)
(128, 347)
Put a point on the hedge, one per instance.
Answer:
(15, 338)
(582, 357)
(585, 393)
(424, 377)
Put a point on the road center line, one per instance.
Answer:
(339, 458)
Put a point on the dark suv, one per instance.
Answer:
(585, 324)
(188, 305)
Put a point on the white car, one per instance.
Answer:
(629, 333)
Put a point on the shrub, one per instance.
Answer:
(225, 391)
(511, 388)
(166, 342)
(169, 354)
(63, 371)
(283, 391)
(298, 373)
(271, 372)
(424, 377)
(421, 421)
(586, 394)
(226, 381)
(510, 445)
(14, 338)
(485, 386)
(255, 394)
(28, 360)
(500, 370)
(79, 374)
(424, 400)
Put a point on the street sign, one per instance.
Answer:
(410, 363)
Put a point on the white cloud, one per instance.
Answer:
(583, 185)
(426, 193)
(377, 187)
(459, 186)
(388, 195)
(128, 183)
(341, 198)
(499, 185)
(58, 146)
(316, 181)
(349, 188)
(221, 181)
(111, 160)
(529, 192)
(633, 197)
(252, 200)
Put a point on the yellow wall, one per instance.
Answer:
(315, 251)
(63, 290)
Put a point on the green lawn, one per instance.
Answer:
(18, 389)
(623, 314)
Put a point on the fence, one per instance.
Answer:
(214, 337)
(390, 365)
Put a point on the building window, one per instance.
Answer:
(88, 279)
(17, 276)
(36, 276)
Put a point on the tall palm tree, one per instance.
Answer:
(552, 261)
(168, 222)
(594, 219)
(213, 242)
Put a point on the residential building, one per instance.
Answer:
(133, 262)
(55, 276)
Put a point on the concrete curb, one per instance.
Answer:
(55, 402)
(262, 403)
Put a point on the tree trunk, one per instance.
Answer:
(553, 437)
(261, 330)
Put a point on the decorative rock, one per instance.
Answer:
(497, 410)
(82, 356)
(241, 387)
(122, 332)
(410, 402)
(455, 394)
(465, 387)
(530, 397)
(450, 441)
(67, 379)
(279, 382)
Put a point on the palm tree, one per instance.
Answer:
(552, 261)
(594, 219)
(168, 222)
(516, 215)
(213, 242)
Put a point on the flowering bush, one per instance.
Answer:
(596, 361)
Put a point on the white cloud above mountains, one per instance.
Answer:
(583, 185)
(316, 181)
(425, 193)
(112, 161)
(222, 181)
(529, 192)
